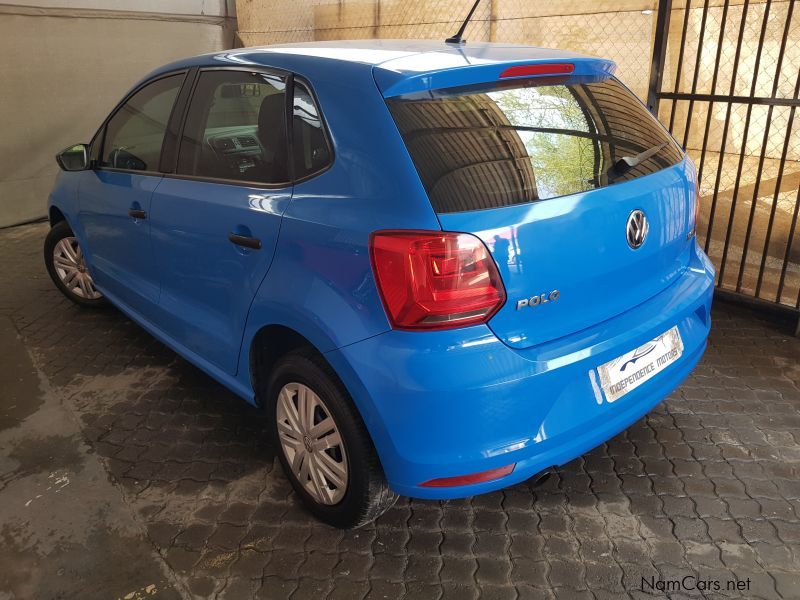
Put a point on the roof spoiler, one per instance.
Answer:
(446, 70)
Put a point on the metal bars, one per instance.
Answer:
(726, 82)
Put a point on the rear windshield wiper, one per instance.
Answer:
(626, 163)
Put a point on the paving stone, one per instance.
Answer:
(425, 517)
(195, 535)
(493, 570)
(388, 567)
(497, 592)
(227, 536)
(284, 564)
(240, 587)
(353, 566)
(275, 588)
(203, 586)
(385, 590)
(567, 572)
(491, 544)
(249, 564)
(459, 591)
(606, 576)
(777, 557)
(389, 540)
(530, 571)
(423, 568)
(349, 590)
(787, 584)
(529, 545)
(162, 533)
(723, 530)
(458, 569)
(311, 589)
(182, 559)
(455, 544)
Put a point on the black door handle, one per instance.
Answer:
(243, 240)
(137, 213)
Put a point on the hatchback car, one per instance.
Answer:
(440, 269)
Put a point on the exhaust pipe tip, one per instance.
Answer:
(541, 477)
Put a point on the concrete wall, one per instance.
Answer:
(65, 64)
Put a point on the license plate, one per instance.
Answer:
(632, 369)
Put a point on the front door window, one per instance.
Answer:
(135, 134)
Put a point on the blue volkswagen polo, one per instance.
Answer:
(442, 269)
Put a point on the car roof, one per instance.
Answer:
(399, 66)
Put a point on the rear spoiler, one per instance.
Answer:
(445, 70)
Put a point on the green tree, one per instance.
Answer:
(563, 163)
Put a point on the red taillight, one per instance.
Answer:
(480, 477)
(540, 69)
(435, 280)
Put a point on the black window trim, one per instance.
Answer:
(221, 180)
(100, 137)
(167, 165)
(291, 77)
(169, 151)
(325, 131)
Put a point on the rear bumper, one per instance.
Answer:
(451, 403)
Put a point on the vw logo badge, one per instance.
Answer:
(637, 228)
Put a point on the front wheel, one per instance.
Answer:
(323, 445)
(66, 265)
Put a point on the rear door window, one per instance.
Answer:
(502, 144)
(236, 128)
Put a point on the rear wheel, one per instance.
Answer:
(67, 267)
(323, 445)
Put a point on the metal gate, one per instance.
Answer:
(725, 80)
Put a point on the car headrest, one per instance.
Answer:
(272, 123)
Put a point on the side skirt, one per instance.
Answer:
(237, 387)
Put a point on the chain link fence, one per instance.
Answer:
(622, 31)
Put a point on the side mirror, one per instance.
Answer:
(74, 158)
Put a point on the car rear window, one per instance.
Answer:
(508, 143)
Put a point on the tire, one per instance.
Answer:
(366, 494)
(62, 253)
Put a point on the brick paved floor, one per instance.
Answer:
(708, 484)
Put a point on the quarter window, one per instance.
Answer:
(236, 128)
(311, 150)
(135, 134)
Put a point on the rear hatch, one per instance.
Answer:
(584, 200)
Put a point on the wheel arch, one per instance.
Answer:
(55, 215)
(267, 346)
(273, 341)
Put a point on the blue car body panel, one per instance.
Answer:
(201, 270)
(575, 244)
(519, 389)
(486, 405)
(121, 252)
